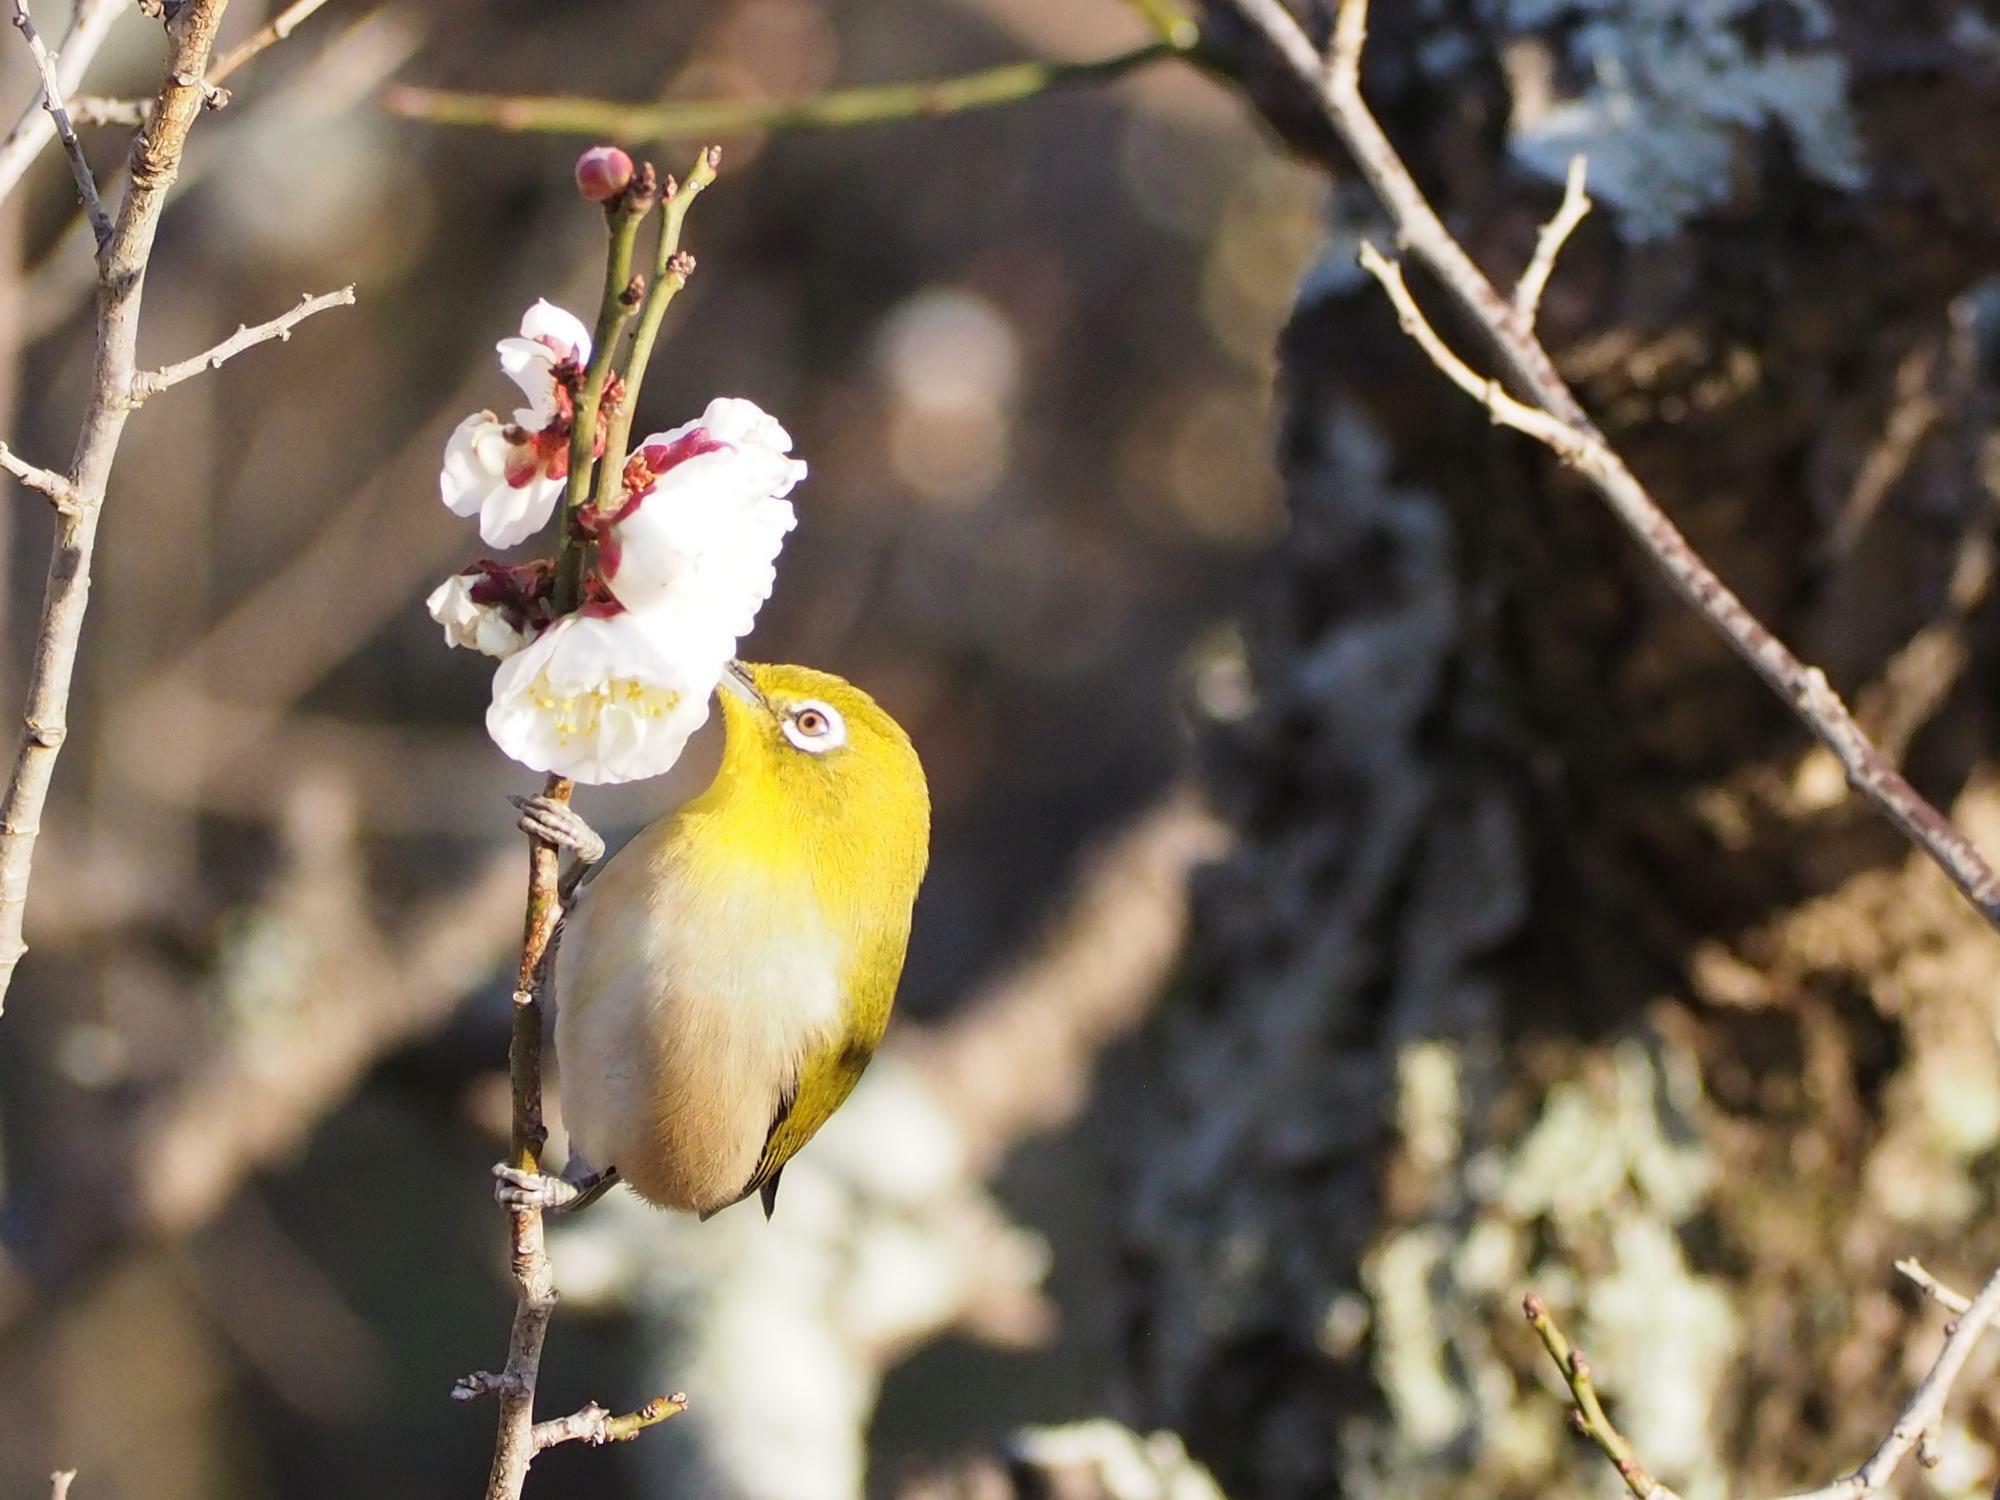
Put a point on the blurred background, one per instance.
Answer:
(1359, 894)
(255, 1077)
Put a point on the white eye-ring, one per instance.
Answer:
(815, 727)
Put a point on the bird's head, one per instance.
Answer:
(825, 763)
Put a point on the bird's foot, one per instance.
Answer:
(561, 825)
(516, 1189)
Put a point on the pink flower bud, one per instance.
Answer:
(602, 173)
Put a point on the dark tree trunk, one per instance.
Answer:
(1556, 956)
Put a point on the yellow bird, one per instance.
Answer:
(724, 980)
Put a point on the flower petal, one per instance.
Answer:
(513, 513)
(557, 326)
(709, 530)
(736, 420)
(605, 700)
(475, 459)
(531, 366)
(469, 624)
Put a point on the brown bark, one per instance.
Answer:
(1556, 956)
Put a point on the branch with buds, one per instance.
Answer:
(610, 649)
(152, 382)
(125, 247)
(594, 1425)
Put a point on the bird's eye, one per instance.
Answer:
(815, 728)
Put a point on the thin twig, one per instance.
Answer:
(150, 383)
(596, 1426)
(34, 477)
(1913, 1270)
(89, 26)
(1503, 408)
(52, 100)
(270, 34)
(1925, 1411)
(86, 110)
(1548, 244)
(534, 1278)
(1588, 1416)
(837, 108)
(1334, 85)
(1917, 1426)
(121, 281)
(90, 109)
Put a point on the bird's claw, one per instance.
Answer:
(560, 824)
(514, 1188)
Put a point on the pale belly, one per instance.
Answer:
(681, 1021)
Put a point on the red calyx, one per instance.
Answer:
(523, 592)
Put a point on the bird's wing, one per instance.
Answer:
(828, 1076)
(822, 1085)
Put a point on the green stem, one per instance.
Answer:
(624, 1429)
(613, 310)
(1171, 20)
(870, 105)
(1588, 1416)
(670, 274)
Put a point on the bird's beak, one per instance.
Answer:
(736, 678)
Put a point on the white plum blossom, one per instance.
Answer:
(549, 336)
(510, 474)
(607, 698)
(674, 572)
(468, 623)
(706, 530)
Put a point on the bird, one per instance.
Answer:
(721, 983)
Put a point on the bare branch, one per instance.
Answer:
(1548, 244)
(1925, 1411)
(34, 477)
(121, 281)
(86, 110)
(88, 27)
(93, 110)
(1918, 1426)
(1931, 1287)
(152, 382)
(1503, 408)
(1588, 1416)
(1334, 85)
(52, 100)
(596, 1426)
(270, 34)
